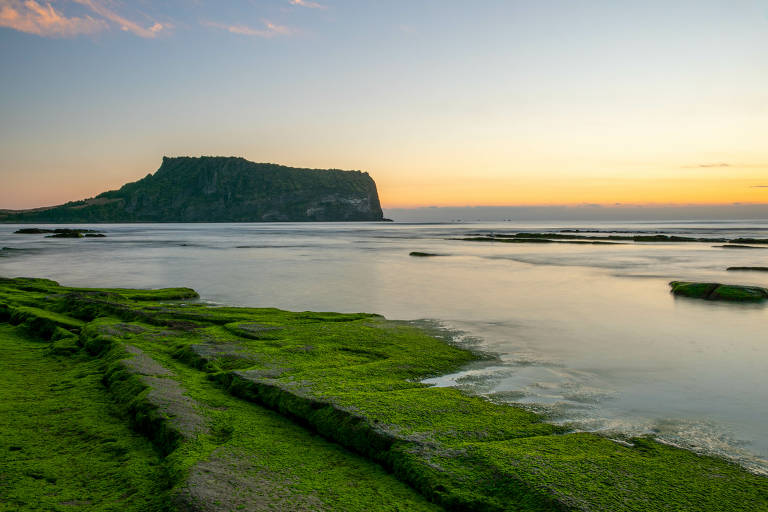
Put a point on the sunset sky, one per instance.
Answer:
(445, 103)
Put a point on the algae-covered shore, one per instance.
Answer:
(137, 400)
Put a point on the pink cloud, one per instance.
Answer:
(269, 29)
(43, 20)
(125, 24)
(306, 3)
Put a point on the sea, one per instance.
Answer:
(588, 335)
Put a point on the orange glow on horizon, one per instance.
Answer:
(401, 187)
(605, 192)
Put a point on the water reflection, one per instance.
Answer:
(589, 335)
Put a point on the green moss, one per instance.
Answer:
(255, 456)
(717, 291)
(266, 382)
(62, 444)
(749, 241)
(645, 476)
(596, 239)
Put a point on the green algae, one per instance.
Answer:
(63, 445)
(280, 398)
(264, 461)
(717, 291)
(543, 238)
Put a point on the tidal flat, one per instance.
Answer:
(261, 409)
(588, 335)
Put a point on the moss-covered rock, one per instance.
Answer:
(234, 399)
(68, 234)
(717, 291)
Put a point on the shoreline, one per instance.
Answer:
(350, 378)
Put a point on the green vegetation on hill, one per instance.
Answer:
(261, 409)
(223, 189)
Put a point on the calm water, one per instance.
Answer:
(589, 335)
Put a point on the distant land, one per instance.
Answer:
(223, 189)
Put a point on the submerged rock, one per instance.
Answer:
(717, 291)
(749, 241)
(42, 231)
(734, 246)
(423, 254)
(61, 232)
(66, 234)
(32, 231)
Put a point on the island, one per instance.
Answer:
(138, 400)
(222, 189)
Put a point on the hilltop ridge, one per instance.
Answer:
(223, 189)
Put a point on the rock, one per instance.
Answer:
(60, 232)
(733, 246)
(423, 254)
(717, 291)
(32, 231)
(66, 234)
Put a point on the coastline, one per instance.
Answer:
(355, 380)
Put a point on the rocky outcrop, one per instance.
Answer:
(224, 189)
(717, 291)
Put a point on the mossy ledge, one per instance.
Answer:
(567, 237)
(230, 397)
(717, 291)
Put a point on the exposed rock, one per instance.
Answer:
(59, 232)
(735, 246)
(165, 393)
(32, 231)
(68, 234)
(231, 480)
(717, 291)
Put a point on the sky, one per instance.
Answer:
(445, 103)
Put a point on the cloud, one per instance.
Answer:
(269, 29)
(707, 166)
(125, 24)
(759, 186)
(306, 3)
(43, 20)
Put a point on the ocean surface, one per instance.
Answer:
(587, 334)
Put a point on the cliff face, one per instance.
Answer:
(224, 189)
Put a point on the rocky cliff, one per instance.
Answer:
(223, 189)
